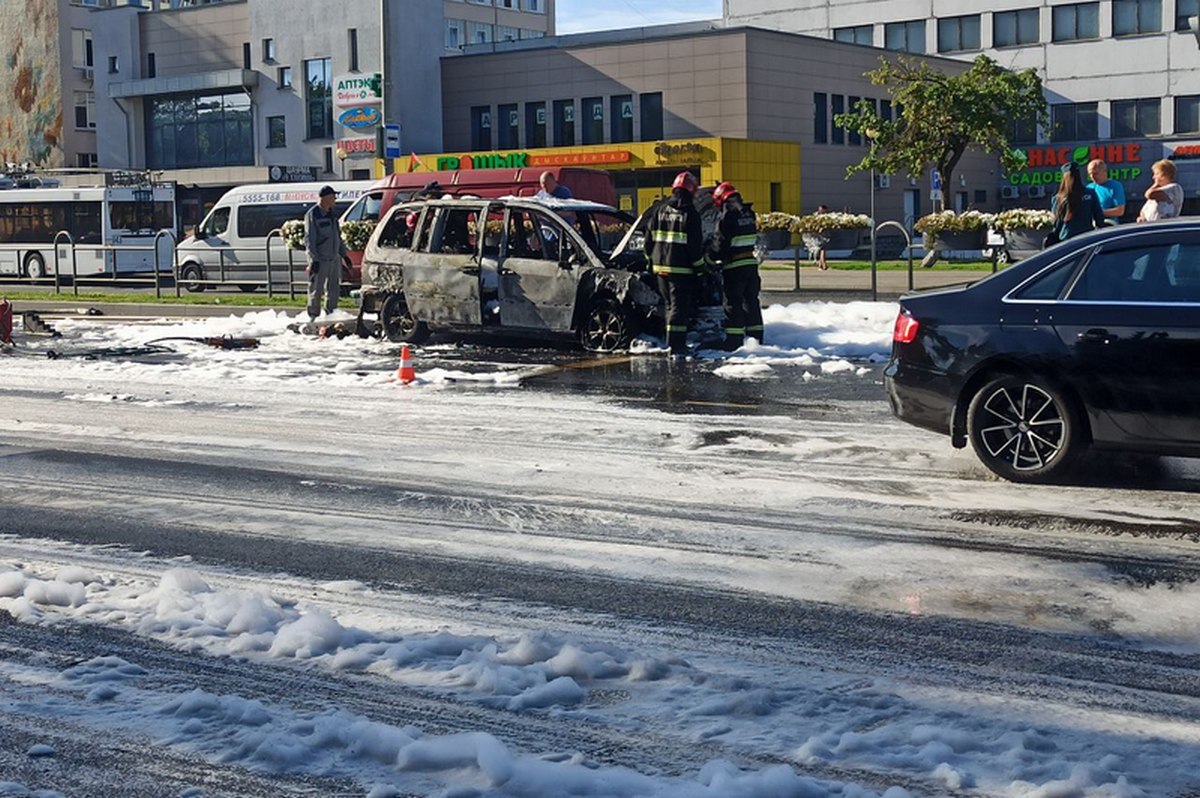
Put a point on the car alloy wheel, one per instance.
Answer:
(398, 323)
(606, 328)
(1023, 429)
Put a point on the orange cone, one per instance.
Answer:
(405, 373)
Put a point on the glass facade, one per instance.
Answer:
(197, 131)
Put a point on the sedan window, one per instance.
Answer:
(1156, 273)
(1049, 284)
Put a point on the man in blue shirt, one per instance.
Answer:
(1110, 193)
(552, 187)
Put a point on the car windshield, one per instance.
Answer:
(602, 230)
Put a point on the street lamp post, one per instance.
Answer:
(873, 134)
(341, 155)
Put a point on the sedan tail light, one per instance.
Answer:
(906, 328)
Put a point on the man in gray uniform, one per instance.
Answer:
(325, 249)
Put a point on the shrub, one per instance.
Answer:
(951, 222)
(818, 223)
(1023, 219)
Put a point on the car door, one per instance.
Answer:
(1131, 323)
(442, 274)
(538, 280)
(214, 241)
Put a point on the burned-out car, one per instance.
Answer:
(512, 265)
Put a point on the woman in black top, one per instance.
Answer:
(1076, 209)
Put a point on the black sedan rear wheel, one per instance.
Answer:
(398, 323)
(606, 328)
(1024, 429)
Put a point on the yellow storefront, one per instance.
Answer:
(767, 173)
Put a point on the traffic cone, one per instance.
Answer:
(405, 373)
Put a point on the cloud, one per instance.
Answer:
(580, 16)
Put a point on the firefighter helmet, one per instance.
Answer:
(723, 192)
(686, 181)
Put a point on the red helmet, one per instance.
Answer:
(686, 181)
(723, 192)
(411, 219)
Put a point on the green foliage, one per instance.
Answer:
(938, 116)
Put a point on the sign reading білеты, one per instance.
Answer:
(1043, 165)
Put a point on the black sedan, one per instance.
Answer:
(1093, 342)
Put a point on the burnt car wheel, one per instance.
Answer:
(398, 324)
(606, 328)
(1024, 429)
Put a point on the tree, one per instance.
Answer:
(938, 116)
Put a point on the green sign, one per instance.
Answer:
(491, 160)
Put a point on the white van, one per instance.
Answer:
(230, 245)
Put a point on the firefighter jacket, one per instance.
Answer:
(737, 233)
(674, 239)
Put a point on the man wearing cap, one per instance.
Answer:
(326, 250)
(675, 250)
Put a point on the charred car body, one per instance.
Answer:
(509, 265)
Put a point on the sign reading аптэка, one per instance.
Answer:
(1043, 165)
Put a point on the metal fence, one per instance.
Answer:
(65, 244)
(194, 277)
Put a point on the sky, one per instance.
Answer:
(804, 716)
(577, 16)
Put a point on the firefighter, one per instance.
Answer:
(733, 247)
(675, 251)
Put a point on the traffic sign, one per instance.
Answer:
(391, 141)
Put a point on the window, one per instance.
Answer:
(396, 233)
(453, 236)
(1074, 122)
(81, 48)
(1073, 22)
(958, 33)
(859, 34)
(820, 117)
(532, 34)
(536, 6)
(1133, 17)
(268, 50)
(980, 196)
(535, 125)
(885, 110)
(284, 77)
(776, 196)
(593, 120)
(353, 45)
(479, 33)
(456, 33)
(276, 131)
(1131, 118)
(256, 221)
(1049, 284)
(652, 116)
(366, 209)
(85, 110)
(1187, 114)
(507, 33)
(1022, 131)
(151, 66)
(318, 98)
(328, 154)
(853, 137)
(564, 123)
(908, 37)
(620, 114)
(1164, 272)
(1012, 28)
(114, 66)
(193, 131)
(1183, 10)
(217, 222)
(246, 55)
(86, 160)
(510, 127)
(481, 127)
(839, 107)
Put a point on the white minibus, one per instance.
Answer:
(230, 245)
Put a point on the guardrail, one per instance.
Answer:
(225, 268)
(63, 239)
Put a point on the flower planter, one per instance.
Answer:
(1023, 242)
(959, 240)
(777, 239)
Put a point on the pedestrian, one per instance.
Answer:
(1164, 198)
(733, 247)
(824, 239)
(326, 250)
(1076, 209)
(675, 250)
(1109, 193)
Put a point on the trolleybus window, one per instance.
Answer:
(39, 222)
(142, 217)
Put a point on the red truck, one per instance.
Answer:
(585, 184)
